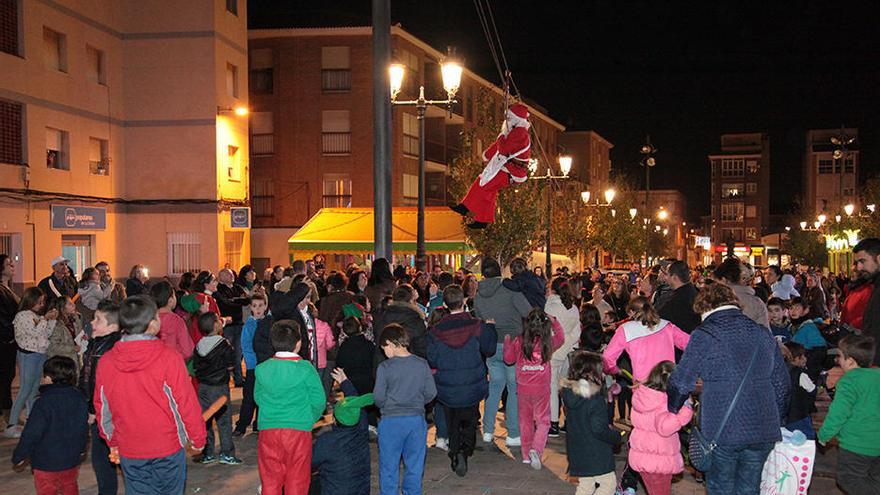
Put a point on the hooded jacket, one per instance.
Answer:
(457, 347)
(646, 346)
(145, 403)
(784, 288)
(506, 307)
(288, 392)
(347, 474)
(855, 305)
(530, 285)
(57, 430)
(411, 318)
(589, 440)
(213, 360)
(752, 305)
(98, 346)
(654, 446)
(570, 320)
(532, 374)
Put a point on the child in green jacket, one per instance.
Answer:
(854, 418)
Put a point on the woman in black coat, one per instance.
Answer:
(8, 307)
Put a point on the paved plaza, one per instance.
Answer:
(492, 470)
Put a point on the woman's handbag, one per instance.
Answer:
(700, 450)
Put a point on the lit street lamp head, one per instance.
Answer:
(451, 69)
(803, 225)
(565, 164)
(395, 78)
(662, 214)
(609, 195)
(585, 197)
(822, 218)
(849, 209)
(632, 213)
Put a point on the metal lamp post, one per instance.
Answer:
(648, 150)
(451, 70)
(840, 142)
(609, 197)
(565, 167)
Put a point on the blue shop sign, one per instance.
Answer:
(68, 217)
(240, 217)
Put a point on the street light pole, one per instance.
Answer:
(421, 259)
(648, 161)
(548, 264)
(382, 237)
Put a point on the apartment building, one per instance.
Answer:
(117, 139)
(591, 159)
(829, 181)
(312, 119)
(666, 210)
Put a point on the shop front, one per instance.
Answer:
(839, 247)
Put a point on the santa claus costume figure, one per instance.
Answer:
(507, 162)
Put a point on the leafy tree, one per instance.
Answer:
(805, 247)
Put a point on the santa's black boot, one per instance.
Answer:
(460, 209)
(477, 225)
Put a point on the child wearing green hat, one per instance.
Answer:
(348, 474)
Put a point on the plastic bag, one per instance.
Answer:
(789, 469)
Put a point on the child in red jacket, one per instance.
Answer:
(531, 352)
(145, 405)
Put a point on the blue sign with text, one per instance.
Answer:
(68, 217)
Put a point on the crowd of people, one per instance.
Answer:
(141, 371)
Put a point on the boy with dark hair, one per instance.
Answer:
(803, 392)
(105, 334)
(458, 346)
(145, 405)
(854, 417)
(258, 308)
(780, 326)
(403, 386)
(56, 433)
(213, 361)
(291, 398)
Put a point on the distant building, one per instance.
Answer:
(115, 139)
(665, 209)
(829, 183)
(740, 194)
(312, 127)
(591, 161)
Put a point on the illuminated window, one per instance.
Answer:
(335, 69)
(751, 233)
(732, 212)
(57, 149)
(732, 167)
(99, 161)
(410, 186)
(337, 191)
(731, 190)
(751, 211)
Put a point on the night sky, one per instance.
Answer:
(683, 72)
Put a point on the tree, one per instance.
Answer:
(806, 248)
(518, 216)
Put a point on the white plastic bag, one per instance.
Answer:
(789, 469)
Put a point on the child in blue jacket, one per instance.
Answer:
(248, 408)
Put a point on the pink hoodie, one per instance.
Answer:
(646, 346)
(532, 375)
(653, 445)
(325, 341)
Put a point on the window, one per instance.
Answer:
(9, 27)
(469, 104)
(751, 188)
(57, 149)
(261, 74)
(232, 8)
(99, 160)
(184, 252)
(731, 190)
(335, 132)
(54, 50)
(751, 211)
(732, 212)
(233, 168)
(10, 133)
(411, 79)
(732, 167)
(335, 68)
(410, 135)
(826, 166)
(337, 191)
(95, 71)
(751, 233)
(231, 80)
(713, 167)
(78, 249)
(410, 186)
(753, 166)
(232, 242)
(262, 133)
(849, 165)
(262, 198)
(735, 234)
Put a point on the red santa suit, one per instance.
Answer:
(507, 162)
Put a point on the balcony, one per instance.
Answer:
(335, 80)
(335, 143)
(262, 144)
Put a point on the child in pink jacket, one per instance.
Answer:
(646, 338)
(325, 341)
(531, 352)
(654, 448)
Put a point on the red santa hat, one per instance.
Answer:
(520, 110)
(517, 116)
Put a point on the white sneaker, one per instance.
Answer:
(442, 444)
(535, 460)
(512, 442)
(373, 430)
(12, 431)
(488, 437)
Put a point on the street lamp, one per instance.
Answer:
(632, 213)
(662, 214)
(565, 163)
(648, 161)
(849, 209)
(822, 218)
(451, 70)
(841, 142)
(238, 110)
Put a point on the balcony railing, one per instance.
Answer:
(335, 143)
(335, 80)
(262, 144)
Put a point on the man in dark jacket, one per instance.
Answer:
(524, 280)
(295, 305)
(59, 283)
(866, 255)
(231, 299)
(403, 311)
(679, 306)
(330, 312)
(458, 346)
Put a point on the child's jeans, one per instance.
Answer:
(401, 436)
(30, 369)
(858, 474)
(657, 484)
(105, 471)
(248, 406)
(207, 395)
(534, 421)
(159, 476)
(604, 484)
(284, 459)
(56, 482)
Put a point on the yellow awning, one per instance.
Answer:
(350, 231)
